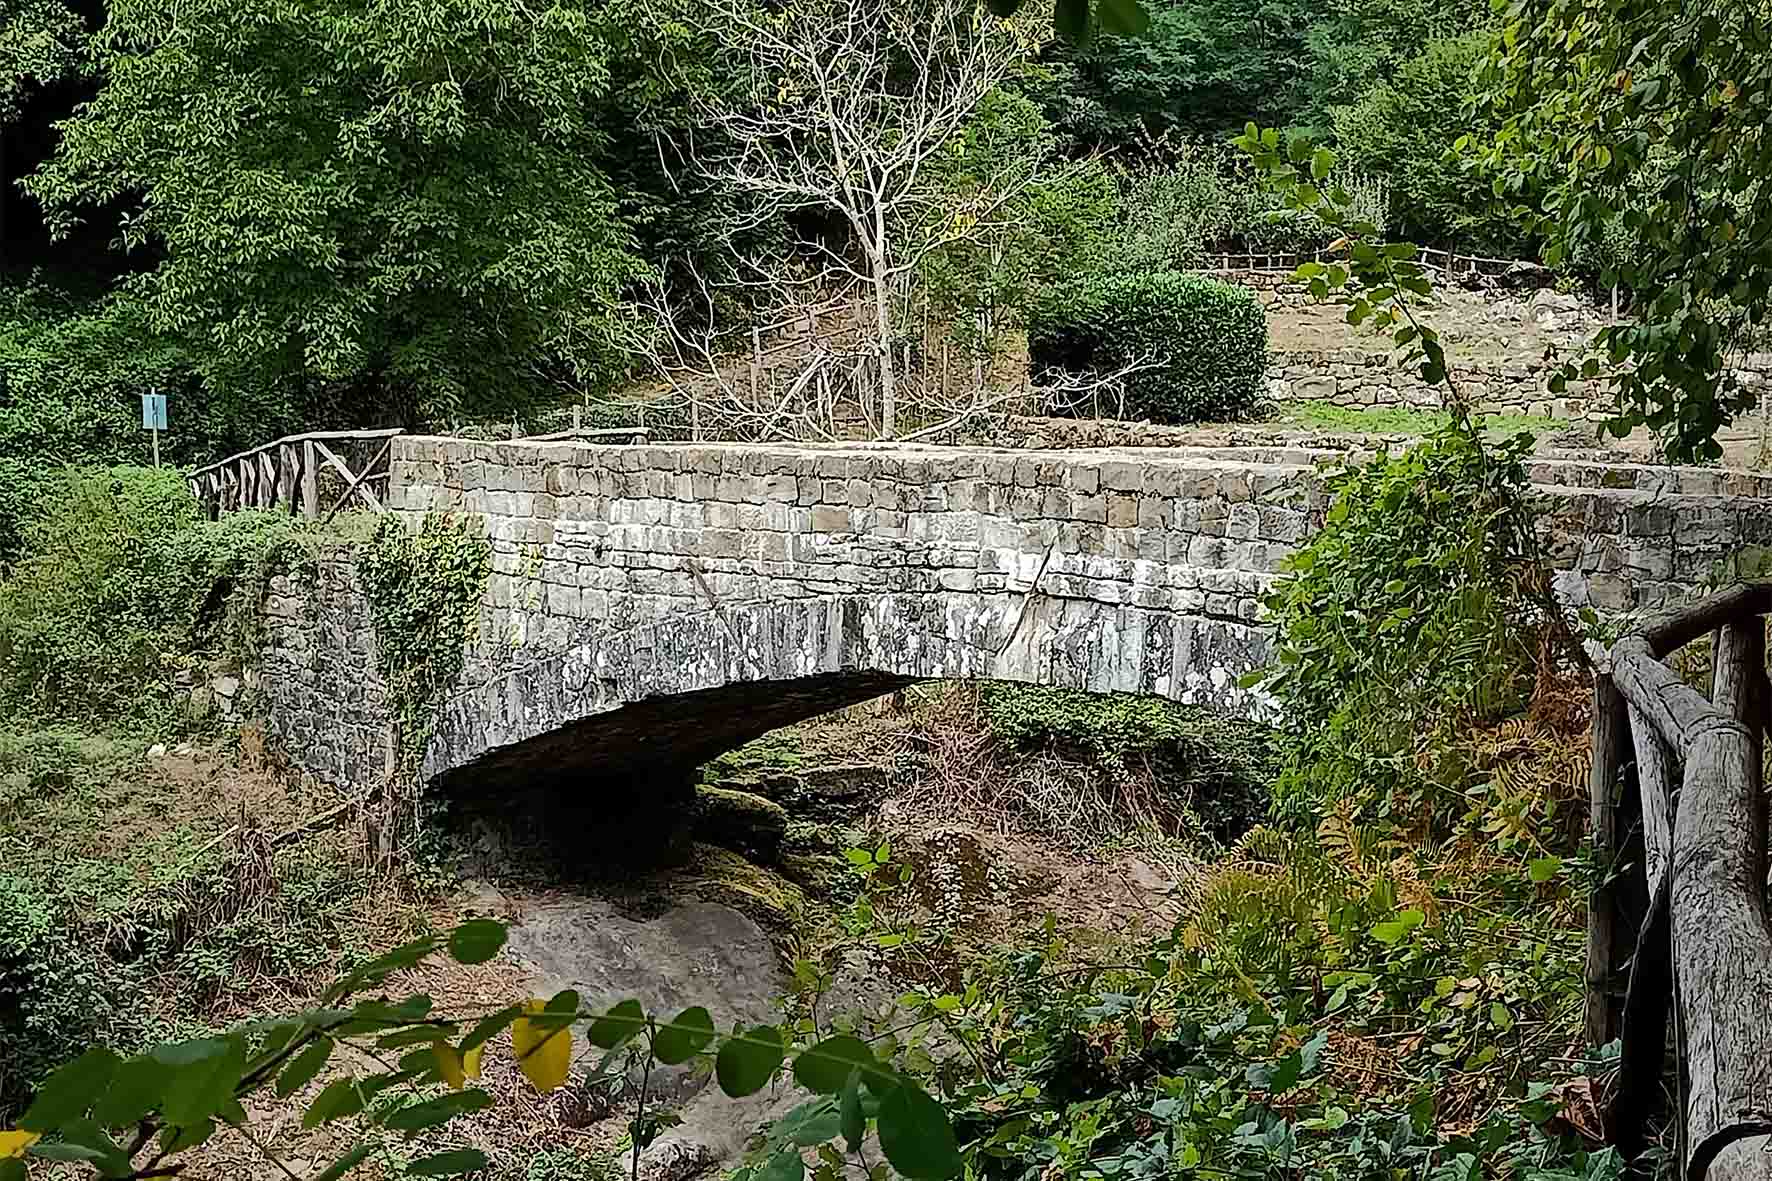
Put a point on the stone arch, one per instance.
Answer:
(650, 702)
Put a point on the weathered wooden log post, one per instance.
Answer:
(1617, 906)
(1706, 864)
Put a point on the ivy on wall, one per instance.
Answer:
(424, 592)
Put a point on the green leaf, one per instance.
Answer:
(431, 1113)
(1500, 1017)
(785, 1165)
(617, 1026)
(747, 1061)
(688, 1034)
(1394, 930)
(176, 1139)
(1124, 17)
(490, 1027)
(68, 1093)
(13, 1169)
(86, 1136)
(339, 1098)
(303, 1067)
(824, 1068)
(447, 1164)
(136, 1088)
(815, 1121)
(854, 1122)
(346, 1163)
(1070, 19)
(1543, 869)
(197, 1091)
(476, 941)
(916, 1136)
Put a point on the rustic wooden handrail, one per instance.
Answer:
(1285, 262)
(1703, 950)
(286, 473)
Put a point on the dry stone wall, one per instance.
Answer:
(651, 605)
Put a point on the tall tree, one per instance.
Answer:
(403, 195)
(1592, 97)
(846, 107)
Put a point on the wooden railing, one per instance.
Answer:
(1444, 262)
(1678, 801)
(298, 473)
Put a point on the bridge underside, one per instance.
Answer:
(654, 745)
(619, 717)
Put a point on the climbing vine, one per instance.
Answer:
(424, 591)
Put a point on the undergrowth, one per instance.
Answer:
(143, 900)
(424, 593)
(122, 587)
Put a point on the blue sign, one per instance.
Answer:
(153, 412)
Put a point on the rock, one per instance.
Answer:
(1315, 389)
(722, 876)
(1549, 299)
(713, 1132)
(739, 820)
(225, 686)
(482, 897)
(157, 751)
(693, 953)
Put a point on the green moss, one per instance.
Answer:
(773, 753)
(823, 875)
(722, 876)
(739, 820)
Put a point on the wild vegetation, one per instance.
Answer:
(459, 214)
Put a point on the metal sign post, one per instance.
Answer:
(154, 419)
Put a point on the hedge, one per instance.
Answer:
(1207, 338)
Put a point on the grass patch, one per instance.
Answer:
(1399, 420)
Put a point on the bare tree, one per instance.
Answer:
(846, 104)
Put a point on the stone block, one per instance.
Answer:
(829, 519)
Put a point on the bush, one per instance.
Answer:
(121, 583)
(1408, 617)
(1205, 342)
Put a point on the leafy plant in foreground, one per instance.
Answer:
(133, 1118)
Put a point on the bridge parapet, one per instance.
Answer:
(651, 605)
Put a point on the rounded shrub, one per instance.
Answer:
(1195, 348)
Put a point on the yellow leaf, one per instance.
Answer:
(544, 1055)
(14, 1143)
(449, 1065)
(470, 1062)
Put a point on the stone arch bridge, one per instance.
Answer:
(652, 606)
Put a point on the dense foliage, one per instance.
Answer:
(1408, 617)
(121, 586)
(1192, 348)
(1650, 119)
(424, 590)
(408, 193)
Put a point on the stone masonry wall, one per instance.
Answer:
(325, 702)
(705, 575)
(1362, 380)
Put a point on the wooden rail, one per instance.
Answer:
(1444, 262)
(287, 474)
(1679, 799)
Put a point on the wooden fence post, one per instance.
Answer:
(1615, 907)
(310, 481)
